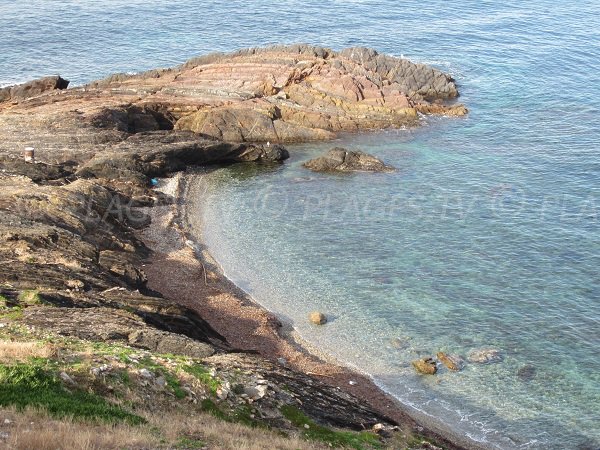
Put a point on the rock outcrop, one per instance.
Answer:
(452, 362)
(342, 160)
(32, 88)
(72, 247)
(425, 366)
(276, 94)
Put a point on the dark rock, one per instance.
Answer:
(163, 342)
(157, 154)
(37, 172)
(342, 160)
(32, 88)
(526, 373)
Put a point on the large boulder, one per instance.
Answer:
(32, 88)
(342, 160)
(425, 366)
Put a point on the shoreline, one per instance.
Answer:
(183, 270)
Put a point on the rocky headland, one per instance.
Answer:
(94, 295)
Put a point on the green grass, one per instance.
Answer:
(31, 297)
(211, 407)
(119, 351)
(189, 443)
(242, 414)
(29, 385)
(203, 375)
(14, 313)
(358, 440)
(172, 382)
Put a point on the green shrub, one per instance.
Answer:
(26, 385)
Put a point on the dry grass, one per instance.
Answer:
(21, 351)
(35, 430)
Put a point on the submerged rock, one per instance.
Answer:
(425, 366)
(485, 356)
(526, 373)
(318, 318)
(341, 160)
(452, 362)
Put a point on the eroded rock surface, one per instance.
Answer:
(275, 94)
(342, 160)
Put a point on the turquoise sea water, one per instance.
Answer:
(488, 236)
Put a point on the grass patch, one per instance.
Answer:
(241, 415)
(24, 385)
(172, 381)
(211, 408)
(204, 376)
(14, 313)
(189, 443)
(358, 440)
(119, 351)
(29, 298)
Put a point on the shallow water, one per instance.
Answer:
(487, 236)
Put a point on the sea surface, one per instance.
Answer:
(488, 235)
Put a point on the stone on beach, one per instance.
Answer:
(425, 366)
(318, 318)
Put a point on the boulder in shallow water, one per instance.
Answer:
(485, 356)
(341, 160)
(425, 366)
(318, 318)
(526, 373)
(452, 362)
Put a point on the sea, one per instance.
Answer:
(486, 237)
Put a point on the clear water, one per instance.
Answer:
(487, 236)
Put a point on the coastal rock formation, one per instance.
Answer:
(276, 94)
(452, 362)
(71, 246)
(425, 366)
(342, 160)
(32, 88)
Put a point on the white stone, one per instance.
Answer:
(145, 373)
